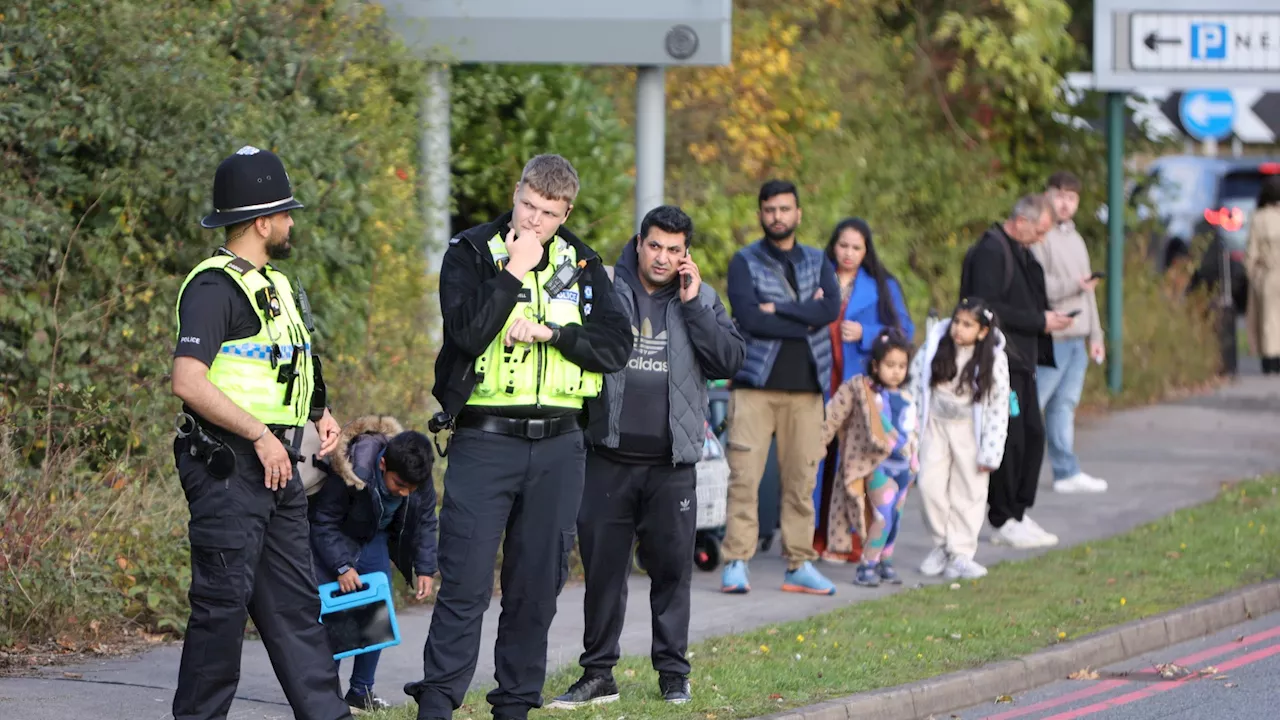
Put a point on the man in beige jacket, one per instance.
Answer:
(1070, 285)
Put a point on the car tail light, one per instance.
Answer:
(1269, 168)
(1229, 219)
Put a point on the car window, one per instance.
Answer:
(1246, 184)
(1177, 188)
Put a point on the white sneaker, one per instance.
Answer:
(1035, 528)
(934, 563)
(1080, 483)
(1018, 535)
(964, 568)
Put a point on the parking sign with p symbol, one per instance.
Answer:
(1208, 41)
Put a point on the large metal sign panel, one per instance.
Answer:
(1186, 44)
(571, 32)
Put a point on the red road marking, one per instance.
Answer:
(1157, 689)
(1106, 685)
(1065, 699)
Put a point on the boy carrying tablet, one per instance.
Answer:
(377, 504)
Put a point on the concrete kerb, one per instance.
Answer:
(954, 691)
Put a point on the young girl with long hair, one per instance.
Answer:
(887, 369)
(962, 386)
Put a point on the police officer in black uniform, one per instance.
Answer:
(248, 381)
(530, 327)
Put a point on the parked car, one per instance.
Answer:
(1194, 196)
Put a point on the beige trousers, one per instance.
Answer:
(755, 416)
(953, 491)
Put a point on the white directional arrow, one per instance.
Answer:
(1201, 109)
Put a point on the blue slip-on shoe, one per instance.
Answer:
(807, 579)
(734, 578)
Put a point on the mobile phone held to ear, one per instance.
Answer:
(686, 280)
(1098, 275)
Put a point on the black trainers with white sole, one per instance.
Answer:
(675, 688)
(365, 702)
(589, 690)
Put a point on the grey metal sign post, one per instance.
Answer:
(1201, 46)
(648, 35)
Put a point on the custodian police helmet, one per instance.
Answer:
(249, 184)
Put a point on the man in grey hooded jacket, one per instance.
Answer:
(646, 433)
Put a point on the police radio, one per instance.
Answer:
(565, 276)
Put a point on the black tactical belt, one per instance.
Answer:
(526, 428)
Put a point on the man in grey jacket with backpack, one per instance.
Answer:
(646, 432)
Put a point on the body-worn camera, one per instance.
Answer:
(566, 275)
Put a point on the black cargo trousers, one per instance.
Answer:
(250, 557)
(530, 490)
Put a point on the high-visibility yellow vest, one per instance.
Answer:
(255, 372)
(535, 374)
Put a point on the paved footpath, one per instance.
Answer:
(1157, 459)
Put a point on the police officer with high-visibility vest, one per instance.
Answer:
(530, 328)
(245, 372)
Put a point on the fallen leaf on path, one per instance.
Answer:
(1004, 699)
(1240, 639)
(1229, 685)
(1169, 671)
(72, 676)
(1084, 674)
(1219, 677)
(1211, 670)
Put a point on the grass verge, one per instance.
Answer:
(1020, 607)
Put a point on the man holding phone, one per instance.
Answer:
(1070, 285)
(645, 437)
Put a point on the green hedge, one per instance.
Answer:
(114, 114)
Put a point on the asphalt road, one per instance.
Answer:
(1231, 674)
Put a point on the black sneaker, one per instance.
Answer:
(888, 574)
(675, 688)
(365, 702)
(590, 690)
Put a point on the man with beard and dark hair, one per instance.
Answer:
(784, 295)
(647, 431)
(249, 383)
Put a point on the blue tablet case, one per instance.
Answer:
(360, 621)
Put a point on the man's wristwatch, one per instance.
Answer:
(555, 333)
(343, 570)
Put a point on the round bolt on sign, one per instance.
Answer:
(682, 42)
